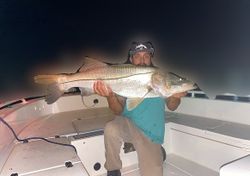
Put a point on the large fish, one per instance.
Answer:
(130, 81)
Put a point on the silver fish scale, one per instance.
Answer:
(111, 72)
(128, 81)
(135, 86)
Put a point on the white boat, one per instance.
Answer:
(203, 137)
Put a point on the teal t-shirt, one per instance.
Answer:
(149, 116)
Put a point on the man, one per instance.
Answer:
(143, 126)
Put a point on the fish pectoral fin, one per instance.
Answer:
(133, 103)
(53, 93)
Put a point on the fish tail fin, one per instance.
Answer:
(48, 79)
(54, 92)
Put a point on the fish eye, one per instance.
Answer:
(177, 77)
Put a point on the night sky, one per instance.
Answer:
(207, 41)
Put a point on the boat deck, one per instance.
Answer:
(199, 140)
(68, 123)
(38, 158)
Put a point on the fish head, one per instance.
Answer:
(171, 83)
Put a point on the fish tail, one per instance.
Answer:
(54, 92)
(48, 79)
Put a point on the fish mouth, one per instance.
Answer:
(189, 86)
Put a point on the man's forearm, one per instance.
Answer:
(114, 104)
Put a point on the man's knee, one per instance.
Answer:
(111, 129)
(155, 171)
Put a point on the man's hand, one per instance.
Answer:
(179, 95)
(174, 101)
(115, 104)
(102, 89)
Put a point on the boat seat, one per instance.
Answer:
(210, 142)
(212, 127)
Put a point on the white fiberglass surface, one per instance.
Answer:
(226, 128)
(239, 167)
(176, 166)
(66, 123)
(38, 156)
(189, 126)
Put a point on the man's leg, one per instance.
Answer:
(150, 158)
(114, 134)
(149, 154)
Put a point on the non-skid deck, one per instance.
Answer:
(39, 158)
(68, 123)
(49, 159)
(177, 166)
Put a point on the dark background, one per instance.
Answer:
(207, 41)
